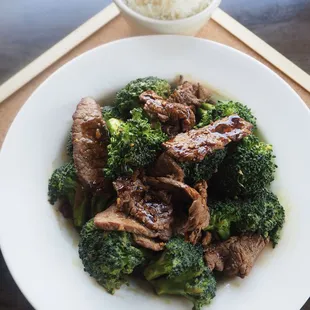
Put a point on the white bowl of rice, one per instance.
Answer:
(184, 17)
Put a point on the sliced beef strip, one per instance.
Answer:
(90, 140)
(141, 211)
(195, 144)
(201, 188)
(149, 243)
(179, 190)
(152, 209)
(235, 256)
(214, 257)
(154, 215)
(114, 219)
(175, 117)
(198, 215)
(129, 190)
(165, 166)
(206, 239)
(158, 195)
(190, 94)
(186, 94)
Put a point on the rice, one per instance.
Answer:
(168, 9)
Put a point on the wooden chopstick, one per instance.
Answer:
(110, 12)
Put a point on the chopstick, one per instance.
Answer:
(110, 12)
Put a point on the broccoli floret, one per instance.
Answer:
(262, 214)
(210, 113)
(62, 186)
(108, 256)
(69, 146)
(226, 108)
(180, 270)
(62, 183)
(200, 290)
(205, 114)
(133, 144)
(223, 216)
(110, 112)
(197, 171)
(247, 168)
(114, 126)
(128, 97)
(178, 259)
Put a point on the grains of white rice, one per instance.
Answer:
(168, 9)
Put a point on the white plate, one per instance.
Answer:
(41, 250)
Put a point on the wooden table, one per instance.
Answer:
(282, 23)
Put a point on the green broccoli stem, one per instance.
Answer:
(113, 125)
(194, 290)
(206, 106)
(222, 228)
(79, 214)
(99, 204)
(70, 197)
(202, 113)
(168, 286)
(205, 110)
(80, 207)
(177, 285)
(158, 268)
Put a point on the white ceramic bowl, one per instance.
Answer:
(146, 25)
(40, 248)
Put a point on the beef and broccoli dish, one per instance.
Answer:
(170, 184)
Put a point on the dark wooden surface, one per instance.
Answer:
(28, 28)
(284, 24)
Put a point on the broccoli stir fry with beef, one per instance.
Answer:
(170, 184)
